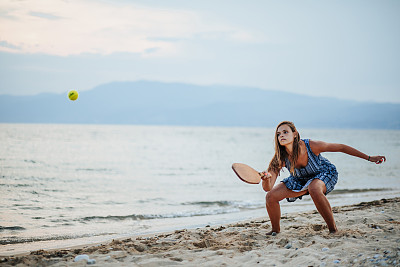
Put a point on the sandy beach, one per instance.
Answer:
(369, 235)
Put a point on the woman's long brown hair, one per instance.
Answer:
(278, 160)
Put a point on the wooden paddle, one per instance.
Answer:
(246, 173)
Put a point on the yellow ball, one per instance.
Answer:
(73, 95)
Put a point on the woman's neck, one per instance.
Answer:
(289, 149)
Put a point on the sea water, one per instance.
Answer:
(65, 185)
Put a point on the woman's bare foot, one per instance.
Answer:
(272, 232)
(333, 231)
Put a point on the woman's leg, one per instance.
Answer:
(273, 197)
(317, 191)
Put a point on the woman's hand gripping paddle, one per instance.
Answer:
(246, 173)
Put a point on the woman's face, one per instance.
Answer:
(285, 135)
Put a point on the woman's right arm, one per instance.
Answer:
(268, 180)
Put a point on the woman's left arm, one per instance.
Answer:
(319, 146)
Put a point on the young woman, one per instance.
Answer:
(310, 173)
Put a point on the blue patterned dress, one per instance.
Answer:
(317, 167)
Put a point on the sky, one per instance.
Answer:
(346, 49)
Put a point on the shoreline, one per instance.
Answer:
(368, 235)
(27, 244)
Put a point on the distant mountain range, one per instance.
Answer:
(159, 103)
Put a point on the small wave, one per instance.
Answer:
(222, 203)
(136, 217)
(22, 185)
(223, 207)
(12, 240)
(225, 203)
(29, 208)
(15, 185)
(54, 190)
(30, 161)
(94, 169)
(11, 228)
(152, 200)
(111, 202)
(59, 220)
(120, 218)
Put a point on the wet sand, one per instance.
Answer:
(369, 235)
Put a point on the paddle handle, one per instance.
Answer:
(265, 173)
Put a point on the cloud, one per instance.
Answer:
(74, 27)
(44, 15)
(5, 45)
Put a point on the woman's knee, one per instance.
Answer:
(317, 187)
(272, 197)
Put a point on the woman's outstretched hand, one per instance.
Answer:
(376, 159)
(265, 175)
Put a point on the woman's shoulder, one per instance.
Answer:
(306, 141)
(316, 146)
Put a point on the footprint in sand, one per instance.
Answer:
(317, 227)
